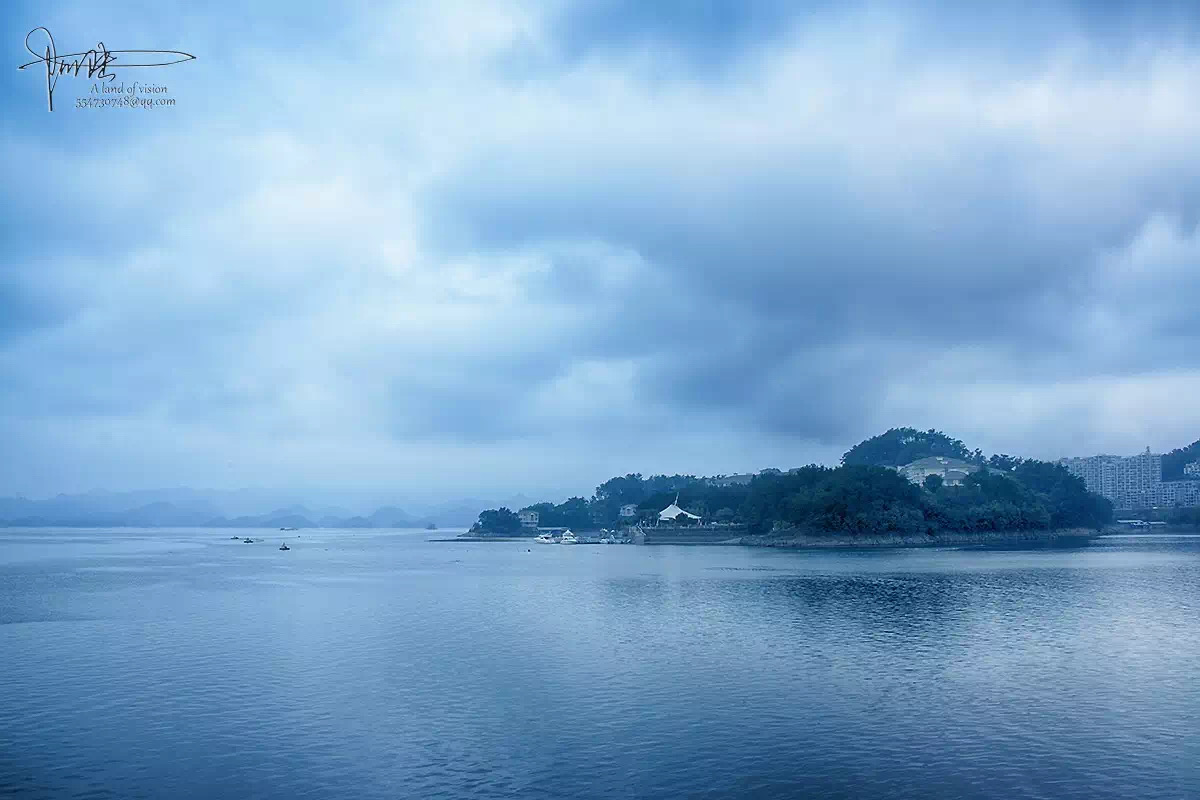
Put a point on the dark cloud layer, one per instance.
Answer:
(516, 244)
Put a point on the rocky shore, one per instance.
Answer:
(794, 538)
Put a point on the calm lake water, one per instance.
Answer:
(179, 663)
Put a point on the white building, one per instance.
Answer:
(732, 480)
(628, 511)
(1098, 472)
(529, 519)
(952, 471)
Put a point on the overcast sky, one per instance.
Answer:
(475, 247)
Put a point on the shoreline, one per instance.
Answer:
(483, 539)
(794, 540)
(797, 540)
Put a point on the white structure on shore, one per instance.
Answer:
(673, 512)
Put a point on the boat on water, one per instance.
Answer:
(284, 546)
(544, 538)
(568, 538)
(248, 540)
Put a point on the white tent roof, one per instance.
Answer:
(673, 511)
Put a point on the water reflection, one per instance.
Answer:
(386, 666)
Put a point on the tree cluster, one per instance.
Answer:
(1184, 516)
(1174, 461)
(900, 446)
(497, 522)
(861, 499)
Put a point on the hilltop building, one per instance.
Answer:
(529, 519)
(731, 480)
(952, 471)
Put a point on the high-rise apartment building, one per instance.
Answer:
(1133, 481)
(1098, 472)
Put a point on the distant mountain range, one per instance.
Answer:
(217, 509)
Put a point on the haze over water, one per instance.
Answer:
(376, 664)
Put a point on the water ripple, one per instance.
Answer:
(380, 665)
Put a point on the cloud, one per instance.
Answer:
(513, 243)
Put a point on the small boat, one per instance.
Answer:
(544, 538)
(235, 538)
(568, 538)
(248, 540)
(284, 546)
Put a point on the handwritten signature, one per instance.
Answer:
(95, 62)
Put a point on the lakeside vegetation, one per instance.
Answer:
(1189, 517)
(865, 495)
(1174, 462)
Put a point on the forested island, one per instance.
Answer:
(871, 493)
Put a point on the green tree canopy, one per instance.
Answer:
(1174, 461)
(574, 513)
(877, 500)
(1184, 516)
(900, 446)
(1004, 463)
(497, 522)
(629, 489)
(1066, 495)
